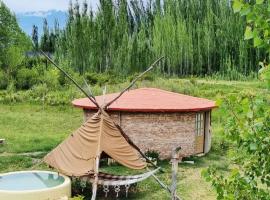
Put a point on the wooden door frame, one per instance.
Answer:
(203, 113)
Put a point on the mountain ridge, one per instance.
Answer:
(26, 20)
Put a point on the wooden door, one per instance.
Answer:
(199, 132)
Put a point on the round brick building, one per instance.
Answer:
(159, 120)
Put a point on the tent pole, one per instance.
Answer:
(95, 183)
(136, 147)
(134, 81)
(90, 97)
(89, 89)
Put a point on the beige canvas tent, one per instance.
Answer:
(79, 155)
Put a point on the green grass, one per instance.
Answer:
(36, 128)
(29, 128)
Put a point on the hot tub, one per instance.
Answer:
(34, 185)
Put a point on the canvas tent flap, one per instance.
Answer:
(76, 155)
(116, 146)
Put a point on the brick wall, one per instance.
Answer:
(158, 131)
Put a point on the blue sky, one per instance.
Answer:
(20, 6)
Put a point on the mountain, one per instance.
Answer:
(28, 19)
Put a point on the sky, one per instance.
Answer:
(21, 6)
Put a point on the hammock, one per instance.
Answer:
(112, 180)
(108, 180)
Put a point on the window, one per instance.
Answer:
(199, 124)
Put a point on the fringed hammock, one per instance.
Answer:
(112, 180)
(107, 180)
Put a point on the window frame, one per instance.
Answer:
(199, 123)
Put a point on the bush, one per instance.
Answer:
(80, 188)
(50, 78)
(63, 80)
(101, 78)
(152, 154)
(91, 78)
(146, 77)
(38, 93)
(26, 78)
(3, 81)
(79, 197)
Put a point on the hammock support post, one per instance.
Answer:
(164, 186)
(175, 159)
(95, 183)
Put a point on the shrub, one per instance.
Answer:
(80, 188)
(3, 81)
(63, 80)
(152, 154)
(146, 77)
(26, 78)
(38, 93)
(97, 78)
(91, 78)
(79, 197)
(50, 78)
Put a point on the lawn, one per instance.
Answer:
(36, 128)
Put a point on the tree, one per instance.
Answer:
(13, 42)
(258, 28)
(248, 127)
(35, 37)
(194, 35)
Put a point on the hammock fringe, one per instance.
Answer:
(113, 180)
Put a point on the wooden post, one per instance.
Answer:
(175, 160)
(95, 183)
(164, 186)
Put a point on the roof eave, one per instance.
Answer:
(148, 110)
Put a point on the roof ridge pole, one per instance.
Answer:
(90, 96)
(134, 81)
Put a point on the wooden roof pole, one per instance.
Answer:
(90, 96)
(134, 81)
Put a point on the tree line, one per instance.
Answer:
(120, 38)
(197, 37)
